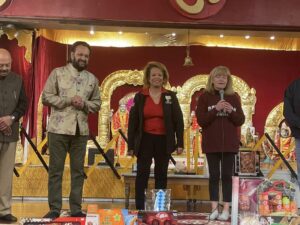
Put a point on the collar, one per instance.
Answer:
(145, 91)
(73, 70)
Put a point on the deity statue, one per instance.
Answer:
(120, 121)
(250, 142)
(194, 129)
(286, 140)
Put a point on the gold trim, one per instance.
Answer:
(273, 119)
(24, 39)
(247, 94)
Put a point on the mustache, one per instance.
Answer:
(80, 60)
(4, 71)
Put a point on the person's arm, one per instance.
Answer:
(236, 114)
(204, 116)
(94, 103)
(288, 108)
(22, 104)
(132, 124)
(178, 122)
(8, 120)
(50, 95)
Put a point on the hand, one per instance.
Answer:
(220, 105)
(228, 107)
(5, 122)
(77, 102)
(7, 132)
(179, 150)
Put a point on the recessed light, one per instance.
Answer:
(272, 37)
(247, 36)
(221, 35)
(173, 34)
(120, 32)
(92, 32)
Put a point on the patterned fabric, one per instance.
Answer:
(62, 84)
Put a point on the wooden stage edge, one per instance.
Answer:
(100, 184)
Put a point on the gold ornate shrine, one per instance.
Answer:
(197, 82)
(109, 84)
(184, 93)
(273, 119)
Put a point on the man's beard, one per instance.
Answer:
(78, 66)
(4, 73)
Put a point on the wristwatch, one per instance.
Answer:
(13, 118)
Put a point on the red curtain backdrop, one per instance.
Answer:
(269, 72)
(47, 56)
(21, 67)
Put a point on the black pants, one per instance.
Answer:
(223, 162)
(152, 146)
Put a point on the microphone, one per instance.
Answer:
(221, 92)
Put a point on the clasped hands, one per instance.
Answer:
(5, 125)
(77, 102)
(222, 105)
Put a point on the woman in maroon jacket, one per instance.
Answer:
(220, 115)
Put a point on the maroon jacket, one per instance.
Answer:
(220, 131)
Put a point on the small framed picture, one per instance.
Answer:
(247, 163)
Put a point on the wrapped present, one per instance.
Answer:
(157, 218)
(276, 198)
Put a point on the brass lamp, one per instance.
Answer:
(188, 60)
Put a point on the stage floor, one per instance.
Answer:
(37, 209)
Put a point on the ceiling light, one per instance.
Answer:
(120, 32)
(92, 32)
(247, 36)
(221, 35)
(173, 34)
(272, 37)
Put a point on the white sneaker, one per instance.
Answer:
(214, 215)
(224, 216)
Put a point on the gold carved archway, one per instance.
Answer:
(273, 119)
(109, 84)
(184, 93)
(197, 82)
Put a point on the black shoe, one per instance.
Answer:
(9, 218)
(78, 214)
(52, 215)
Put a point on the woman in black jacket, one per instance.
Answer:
(155, 129)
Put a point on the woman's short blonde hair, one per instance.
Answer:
(224, 71)
(148, 68)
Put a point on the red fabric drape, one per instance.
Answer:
(47, 55)
(269, 72)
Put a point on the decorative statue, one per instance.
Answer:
(285, 140)
(120, 121)
(250, 142)
(194, 129)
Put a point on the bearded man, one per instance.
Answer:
(72, 93)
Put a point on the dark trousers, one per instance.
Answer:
(152, 146)
(223, 162)
(59, 146)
